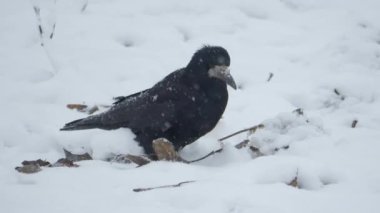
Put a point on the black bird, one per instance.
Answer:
(182, 107)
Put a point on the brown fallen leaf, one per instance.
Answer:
(251, 130)
(83, 108)
(75, 157)
(29, 168)
(38, 162)
(294, 183)
(63, 162)
(87, 109)
(32, 166)
(128, 158)
(79, 107)
(139, 160)
(118, 158)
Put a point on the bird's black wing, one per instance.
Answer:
(155, 108)
(120, 99)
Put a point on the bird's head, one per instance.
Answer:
(216, 61)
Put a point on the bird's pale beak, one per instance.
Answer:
(223, 73)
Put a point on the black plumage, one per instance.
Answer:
(182, 107)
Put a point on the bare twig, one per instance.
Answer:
(270, 76)
(354, 123)
(206, 156)
(337, 92)
(84, 7)
(37, 12)
(52, 32)
(342, 97)
(161, 187)
(251, 129)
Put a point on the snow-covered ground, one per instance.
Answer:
(325, 59)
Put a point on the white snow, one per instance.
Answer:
(117, 47)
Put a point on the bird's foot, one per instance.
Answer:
(164, 150)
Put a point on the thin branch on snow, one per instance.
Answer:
(206, 156)
(354, 123)
(342, 97)
(161, 187)
(238, 146)
(270, 76)
(84, 6)
(251, 129)
(52, 32)
(39, 23)
(37, 12)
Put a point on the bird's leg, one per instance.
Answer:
(164, 150)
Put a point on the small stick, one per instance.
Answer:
(84, 7)
(206, 156)
(270, 76)
(161, 187)
(337, 92)
(354, 123)
(252, 129)
(39, 23)
(52, 32)
(37, 12)
(342, 97)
